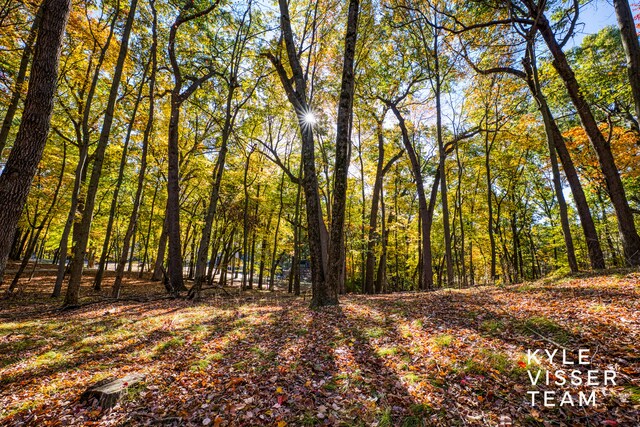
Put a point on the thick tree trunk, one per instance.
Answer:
(23, 160)
(316, 230)
(176, 282)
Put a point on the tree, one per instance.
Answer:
(84, 226)
(178, 97)
(296, 91)
(32, 135)
(631, 48)
(335, 278)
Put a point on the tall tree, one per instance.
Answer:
(626, 225)
(335, 277)
(84, 226)
(135, 214)
(296, 90)
(631, 48)
(179, 95)
(19, 83)
(23, 160)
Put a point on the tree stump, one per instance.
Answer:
(107, 393)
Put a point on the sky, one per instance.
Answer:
(594, 16)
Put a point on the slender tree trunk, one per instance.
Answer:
(274, 252)
(373, 216)
(554, 137)
(335, 277)
(158, 268)
(492, 240)
(427, 267)
(133, 220)
(462, 242)
(381, 277)
(253, 239)
(77, 266)
(615, 188)
(263, 253)
(23, 160)
(18, 85)
(116, 189)
(443, 172)
(631, 48)
(46, 219)
(145, 257)
(245, 222)
(83, 136)
(203, 250)
(296, 244)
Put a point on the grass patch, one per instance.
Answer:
(165, 346)
(412, 378)
(374, 332)
(486, 361)
(443, 340)
(634, 393)
(492, 326)
(546, 327)
(204, 363)
(387, 351)
(50, 358)
(385, 418)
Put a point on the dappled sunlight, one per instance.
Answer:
(439, 357)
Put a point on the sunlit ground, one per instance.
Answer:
(451, 357)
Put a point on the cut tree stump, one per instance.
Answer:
(106, 393)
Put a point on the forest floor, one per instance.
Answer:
(444, 358)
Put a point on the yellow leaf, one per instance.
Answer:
(279, 390)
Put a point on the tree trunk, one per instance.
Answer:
(492, 239)
(46, 219)
(557, 145)
(626, 225)
(77, 266)
(133, 220)
(201, 263)
(427, 268)
(274, 252)
(158, 268)
(370, 263)
(335, 276)
(316, 229)
(631, 48)
(145, 256)
(23, 160)
(18, 85)
(97, 283)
